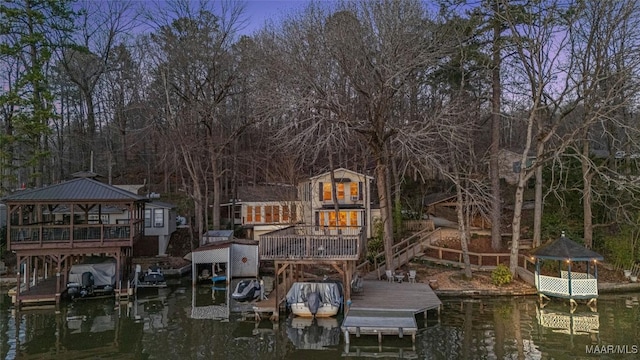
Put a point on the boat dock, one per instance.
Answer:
(389, 308)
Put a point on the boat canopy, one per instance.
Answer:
(103, 273)
(330, 292)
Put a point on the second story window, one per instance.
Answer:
(326, 191)
(353, 191)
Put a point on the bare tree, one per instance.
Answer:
(350, 68)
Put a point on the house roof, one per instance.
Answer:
(266, 193)
(79, 189)
(565, 249)
(224, 244)
(161, 204)
(338, 171)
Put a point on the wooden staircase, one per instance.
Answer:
(403, 251)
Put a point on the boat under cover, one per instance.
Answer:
(315, 299)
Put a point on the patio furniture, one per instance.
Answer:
(412, 276)
(389, 274)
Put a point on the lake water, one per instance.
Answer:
(176, 323)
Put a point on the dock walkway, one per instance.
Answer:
(388, 308)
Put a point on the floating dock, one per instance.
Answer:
(389, 308)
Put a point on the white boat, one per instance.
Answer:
(315, 299)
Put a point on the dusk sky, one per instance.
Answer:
(259, 11)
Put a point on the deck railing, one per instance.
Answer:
(308, 243)
(580, 286)
(53, 235)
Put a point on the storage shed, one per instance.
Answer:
(239, 256)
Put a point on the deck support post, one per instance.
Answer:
(346, 337)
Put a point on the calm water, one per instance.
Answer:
(176, 323)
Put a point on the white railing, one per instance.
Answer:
(576, 275)
(559, 286)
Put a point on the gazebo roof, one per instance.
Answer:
(78, 189)
(565, 249)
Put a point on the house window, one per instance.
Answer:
(258, 214)
(267, 214)
(342, 217)
(326, 191)
(353, 191)
(276, 213)
(285, 213)
(147, 218)
(340, 191)
(353, 218)
(158, 217)
(249, 214)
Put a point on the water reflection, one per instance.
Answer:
(160, 325)
(316, 334)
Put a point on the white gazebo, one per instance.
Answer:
(568, 284)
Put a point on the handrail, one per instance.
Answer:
(401, 248)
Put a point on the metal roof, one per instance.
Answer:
(565, 249)
(79, 189)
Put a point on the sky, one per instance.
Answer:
(260, 11)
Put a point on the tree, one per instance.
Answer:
(31, 32)
(352, 68)
(196, 74)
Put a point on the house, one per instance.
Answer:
(353, 196)
(259, 209)
(160, 221)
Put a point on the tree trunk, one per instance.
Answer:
(516, 223)
(494, 173)
(464, 230)
(537, 211)
(587, 177)
(385, 212)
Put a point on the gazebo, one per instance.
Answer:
(569, 284)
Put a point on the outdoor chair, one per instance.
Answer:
(389, 274)
(412, 276)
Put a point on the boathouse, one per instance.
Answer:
(51, 228)
(577, 267)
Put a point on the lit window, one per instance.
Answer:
(267, 214)
(353, 190)
(343, 219)
(258, 214)
(326, 190)
(285, 213)
(276, 213)
(249, 214)
(353, 221)
(340, 191)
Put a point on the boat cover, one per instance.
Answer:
(103, 273)
(330, 292)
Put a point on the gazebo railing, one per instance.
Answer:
(576, 275)
(564, 287)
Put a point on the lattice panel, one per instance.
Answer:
(548, 284)
(576, 275)
(584, 287)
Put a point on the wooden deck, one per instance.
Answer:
(385, 308)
